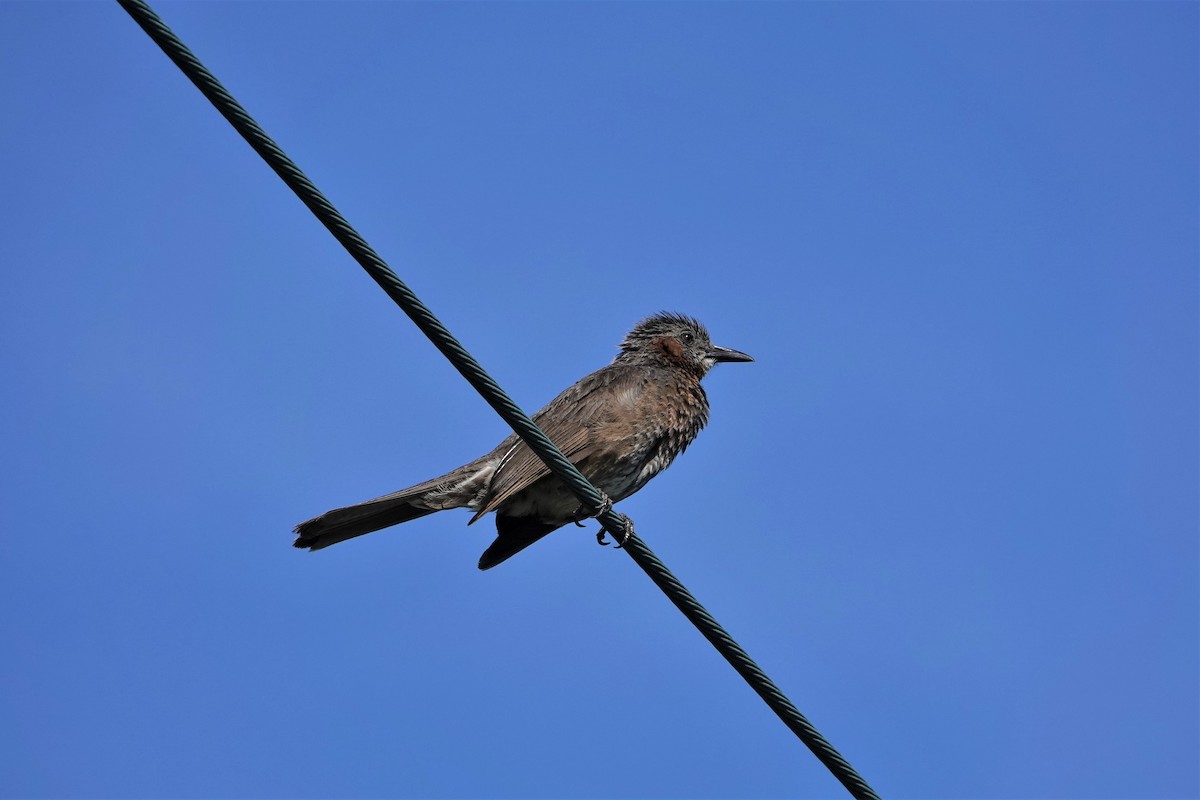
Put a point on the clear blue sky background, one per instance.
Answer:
(951, 509)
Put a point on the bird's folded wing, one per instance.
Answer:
(522, 468)
(571, 421)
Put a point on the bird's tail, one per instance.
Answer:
(340, 524)
(346, 523)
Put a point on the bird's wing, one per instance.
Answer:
(522, 468)
(569, 421)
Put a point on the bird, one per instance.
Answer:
(620, 426)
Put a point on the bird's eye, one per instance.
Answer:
(687, 338)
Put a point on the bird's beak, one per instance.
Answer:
(725, 354)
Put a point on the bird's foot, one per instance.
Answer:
(605, 506)
(626, 532)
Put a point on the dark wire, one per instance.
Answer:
(470, 369)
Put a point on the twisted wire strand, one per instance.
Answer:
(491, 392)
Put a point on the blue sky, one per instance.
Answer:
(951, 509)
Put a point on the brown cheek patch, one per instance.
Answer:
(671, 347)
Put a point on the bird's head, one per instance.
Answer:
(677, 341)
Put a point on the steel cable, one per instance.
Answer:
(491, 392)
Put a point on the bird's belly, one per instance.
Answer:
(548, 500)
(551, 501)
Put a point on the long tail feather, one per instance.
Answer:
(452, 490)
(346, 523)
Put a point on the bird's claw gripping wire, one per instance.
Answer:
(626, 532)
(606, 504)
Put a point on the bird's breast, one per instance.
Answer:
(656, 418)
